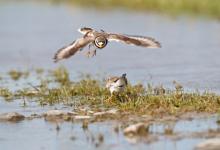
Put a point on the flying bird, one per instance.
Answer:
(99, 40)
(117, 84)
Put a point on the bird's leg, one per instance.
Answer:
(87, 54)
(91, 44)
(93, 53)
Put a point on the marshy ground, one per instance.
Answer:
(139, 115)
(55, 87)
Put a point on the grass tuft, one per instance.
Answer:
(137, 99)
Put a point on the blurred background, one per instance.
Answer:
(32, 31)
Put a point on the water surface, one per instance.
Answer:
(31, 33)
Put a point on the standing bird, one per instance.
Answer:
(99, 39)
(117, 84)
(179, 90)
(178, 86)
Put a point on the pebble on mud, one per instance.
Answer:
(56, 115)
(211, 144)
(82, 117)
(105, 113)
(136, 129)
(11, 116)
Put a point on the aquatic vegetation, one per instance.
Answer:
(6, 94)
(39, 70)
(56, 87)
(199, 7)
(61, 76)
(16, 74)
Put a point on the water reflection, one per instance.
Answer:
(101, 135)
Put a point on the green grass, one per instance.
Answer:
(174, 7)
(16, 74)
(137, 99)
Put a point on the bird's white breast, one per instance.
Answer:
(118, 86)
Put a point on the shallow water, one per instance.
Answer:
(41, 134)
(30, 34)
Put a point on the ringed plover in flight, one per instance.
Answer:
(99, 39)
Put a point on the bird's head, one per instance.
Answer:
(124, 75)
(100, 42)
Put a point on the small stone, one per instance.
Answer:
(112, 111)
(72, 113)
(136, 129)
(55, 116)
(33, 116)
(82, 117)
(11, 116)
(99, 113)
(91, 112)
(55, 113)
(109, 112)
(211, 144)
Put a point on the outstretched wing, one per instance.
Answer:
(134, 40)
(71, 49)
(85, 30)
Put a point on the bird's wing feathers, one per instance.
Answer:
(84, 30)
(71, 49)
(134, 40)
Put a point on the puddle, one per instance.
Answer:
(38, 133)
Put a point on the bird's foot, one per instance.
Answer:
(93, 53)
(87, 54)
(90, 53)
